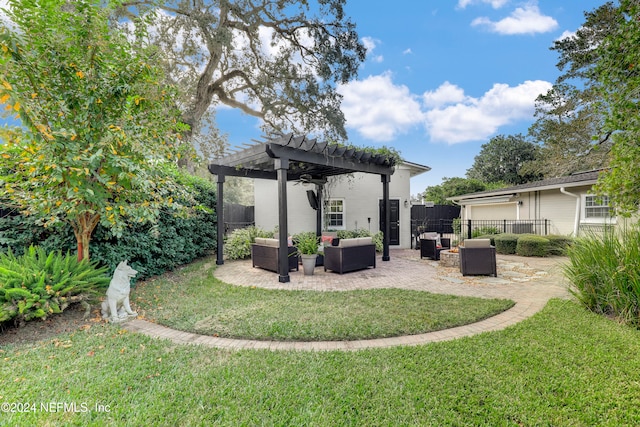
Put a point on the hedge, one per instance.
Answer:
(532, 245)
(558, 245)
(151, 249)
(506, 243)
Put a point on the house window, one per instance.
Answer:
(597, 207)
(334, 211)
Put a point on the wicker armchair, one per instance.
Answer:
(478, 257)
(265, 254)
(431, 245)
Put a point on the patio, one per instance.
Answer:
(519, 278)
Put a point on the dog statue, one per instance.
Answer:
(116, 308)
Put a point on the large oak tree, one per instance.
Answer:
(280, 61)
(456, 186)
(502, 160)
(618, 72)
(570, 117)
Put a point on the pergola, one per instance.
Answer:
(290, 158)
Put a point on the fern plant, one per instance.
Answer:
(38, 284)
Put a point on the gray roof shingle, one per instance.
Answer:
(578, 178)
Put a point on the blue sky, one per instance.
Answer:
(444, 76)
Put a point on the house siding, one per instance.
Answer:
(361, 193)
(552, 205)
(560, 209)
(494, 212)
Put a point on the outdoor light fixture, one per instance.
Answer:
(406, 203)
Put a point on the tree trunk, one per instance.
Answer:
(83, 227)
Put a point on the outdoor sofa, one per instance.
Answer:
(478, 257)
(265, 254)
(350, 255)
(431, 244)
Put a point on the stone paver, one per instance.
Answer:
(530, 282)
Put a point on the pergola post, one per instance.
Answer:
(220, 216)
(387, 217)
(319, 189)
(281, 166)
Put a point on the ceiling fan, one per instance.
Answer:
(308, 179)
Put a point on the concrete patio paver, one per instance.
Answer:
(529, 282)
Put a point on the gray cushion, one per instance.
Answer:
(364, 240)
(429, 236)
(346, 243)
(477, 243)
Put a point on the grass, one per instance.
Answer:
(193, 300)
(564, 367)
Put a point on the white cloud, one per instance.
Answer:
(447, 93)
(407, 51)
(496, 4)
(523, 20)
(474, 119)
(370, 44)
(566, 34)
(378, 109)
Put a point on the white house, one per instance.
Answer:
(568, 203)
(349, 201)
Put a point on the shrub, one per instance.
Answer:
(377, 240)
(532, 245)
(17, 234)
(456, 225)
(506, 244)
(151, 249)
(484, 230)
(558, 245)
(238, 244)
(604, 271)
(37, 284)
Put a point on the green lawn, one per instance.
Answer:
(562, 367)
(193, 300)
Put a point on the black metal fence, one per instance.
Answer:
(588, 229)
(473, 228)
(459, 230)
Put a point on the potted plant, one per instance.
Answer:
(307, 244)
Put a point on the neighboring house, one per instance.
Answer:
(349, 201)
(566, 202)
